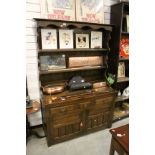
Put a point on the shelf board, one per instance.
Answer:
(41, 51)
(124, 33)
(120, 118)
(120, 114)
(71, 69)
(123, 59)
(121, 98)
(122, 79)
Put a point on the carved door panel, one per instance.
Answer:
(98, 113)
(97, 120)
(65, 122)
(65, 129)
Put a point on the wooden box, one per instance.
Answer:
(85, 61)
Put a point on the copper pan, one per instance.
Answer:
(50, 89)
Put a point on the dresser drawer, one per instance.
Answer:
(104, 101)
(101, 103)
(64, 109)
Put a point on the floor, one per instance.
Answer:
(97, 143)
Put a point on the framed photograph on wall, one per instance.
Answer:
(96, 39)
(82, 40)
(65, 39)
(58, 9)
(90, 11)
(49, 38)
(121, 70)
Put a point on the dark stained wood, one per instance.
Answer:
(120, 140)
(118, 11)
(75, 113)
(72, 69)
(41, 51)
(123, 79)
(71, 24)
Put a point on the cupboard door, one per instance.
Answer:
(99, 113)
(97, 120)
(67, 130)
(66, 124)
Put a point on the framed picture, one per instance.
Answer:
(49, 38)
(58, 9)
(65, 39)
(52, 62)
(82, 40)
(121, 70)
(91, 11)
(96, 39)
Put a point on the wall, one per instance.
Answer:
(33, 11)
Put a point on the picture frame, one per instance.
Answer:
(91, 11)
(58, 9)
(82, 40)
(49, 38)
(96, 39)
(52, 62)
(65, 39)
(121, 70)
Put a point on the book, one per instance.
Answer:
(121, 70)
(124, 47)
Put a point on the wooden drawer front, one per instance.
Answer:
(65, 118)
(64, 110)
(97, 120)
(106, 102)
(101, 103)
(66, 130)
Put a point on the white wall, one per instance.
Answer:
(33, 11)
